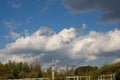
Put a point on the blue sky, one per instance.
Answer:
(69, 25)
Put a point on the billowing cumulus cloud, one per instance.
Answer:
(65, 46)
(109, 8)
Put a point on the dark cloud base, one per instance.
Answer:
(109, 8)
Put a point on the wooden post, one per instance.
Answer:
(77, 77)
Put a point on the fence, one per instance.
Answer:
(78, 78)
(107, 77)
(101, 77)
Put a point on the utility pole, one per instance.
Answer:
(53, 69)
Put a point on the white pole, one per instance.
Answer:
(53, 69)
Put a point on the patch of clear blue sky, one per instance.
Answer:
(56, 17)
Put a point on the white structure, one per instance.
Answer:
(78, 77)
(53, 69)
(107, 77)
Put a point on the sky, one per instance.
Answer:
(72, 32)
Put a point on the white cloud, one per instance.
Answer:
(11, 24)
(65, 46)
(57, 41)
(26, 33)
(116, 60)
(67, 34)
(13, 35)
(14, 4)
(80, 30)
(47, 5)
(96, 43)
(28, 21)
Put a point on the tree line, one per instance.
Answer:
(17, 70)
(95, 71)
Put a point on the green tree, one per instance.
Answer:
(1, 70)
(36, 70)
(84, 70)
